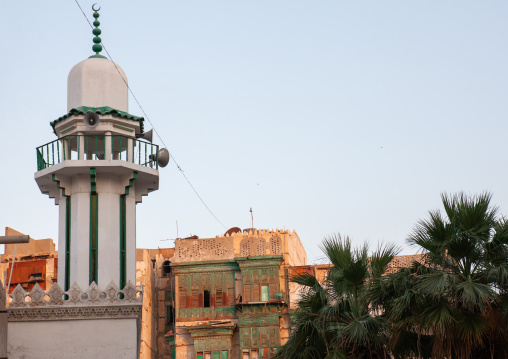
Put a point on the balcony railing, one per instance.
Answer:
(97, 147)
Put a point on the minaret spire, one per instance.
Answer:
(97, 47)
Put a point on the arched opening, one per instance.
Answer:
(166, 269)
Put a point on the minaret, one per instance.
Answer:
(97, 170)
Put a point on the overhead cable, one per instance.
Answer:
(155, 130)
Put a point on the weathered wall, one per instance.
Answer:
(165, 302)
(101, 338)
(242, 244)
(187, 250)
(296, 255)
(207, 267)
(28, 249)
(37, 256)
(145, 275)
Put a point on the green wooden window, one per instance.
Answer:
(264, 293)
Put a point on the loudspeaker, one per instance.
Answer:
(163, 157)
(91, 119)
(146, 135)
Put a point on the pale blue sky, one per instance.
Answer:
(324, 116)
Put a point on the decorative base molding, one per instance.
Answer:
(94, 296)
(52, 313)
(55, 304)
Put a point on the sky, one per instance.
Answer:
(325, 117)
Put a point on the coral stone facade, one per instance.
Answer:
(231, 294)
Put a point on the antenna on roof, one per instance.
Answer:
(252, 218)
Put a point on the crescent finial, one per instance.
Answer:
(97, 47)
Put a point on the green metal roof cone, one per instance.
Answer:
(97, 47)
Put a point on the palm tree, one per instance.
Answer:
(453, 304)
(335, 318)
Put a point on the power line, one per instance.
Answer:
(155, 130)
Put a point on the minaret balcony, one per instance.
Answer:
(97, 147)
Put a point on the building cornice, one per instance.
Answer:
(205, 266)
(259, 261)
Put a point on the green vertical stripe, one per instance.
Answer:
(94, 228)
(123, 241)
(67, 283)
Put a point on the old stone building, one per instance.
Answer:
(36, 263)
(228, 297)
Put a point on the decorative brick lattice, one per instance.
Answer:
(252, 247)
(275, 245)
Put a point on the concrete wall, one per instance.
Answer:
(73, 339)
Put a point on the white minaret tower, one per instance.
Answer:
(97, 170)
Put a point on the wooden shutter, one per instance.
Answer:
(183, 297)
(272, 290)
(218, 297)
(231, 296)
(245, 337)
(246, 293)
(195, 298)
(255, 292)
(255, 337)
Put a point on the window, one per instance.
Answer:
(213, 355)
(230, 297)
(170, 315)
(264, 293)
(206, 296)
(166, 269)
(262, 353)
